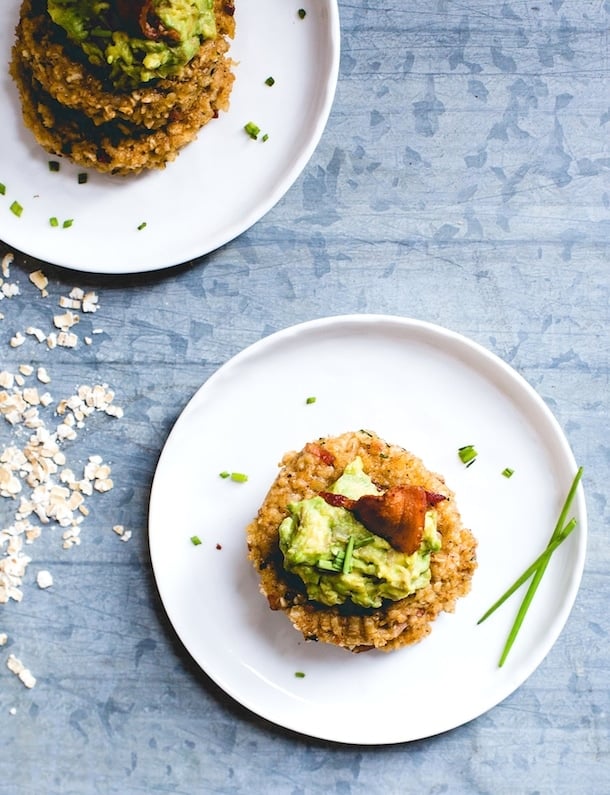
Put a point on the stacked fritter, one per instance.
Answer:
(74, 111)
(397, 623)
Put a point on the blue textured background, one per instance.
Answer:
(464, 179)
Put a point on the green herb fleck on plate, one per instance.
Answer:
(302, 13)
(467, 454)
(53, 221)
(311, 400)
(142, 226)
(195, 541)
(270, 81)
(82, 178)
(252, 129)
(16, 209)
(68, 223)
(299, 674)
(508, 472)
(239, 477)
(53, 165)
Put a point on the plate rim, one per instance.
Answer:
(409, 324)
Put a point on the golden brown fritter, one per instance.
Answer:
(314, 469)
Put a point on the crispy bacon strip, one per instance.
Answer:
(141, 13)
(398, 515)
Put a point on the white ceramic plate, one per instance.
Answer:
(220, 184)
(420, 386)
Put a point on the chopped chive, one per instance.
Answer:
(252, 129)
(53, 221)
(362, 542)
(269, 81)
(347, 562)
(537, 569)
(467, 454)
(530, 570)
(67, 223)
(16, 209)
(326, 565)
(83, 177)
(141, 226)
(299, 674)
(195, 541)
(2, 189)
(265, 137)
(225, 474)
(508, 472)
(310, 400)
(239, 477)
(53, 165)
(302, 13)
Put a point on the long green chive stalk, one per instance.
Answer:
(536, 570)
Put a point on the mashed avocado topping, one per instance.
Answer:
(137, 40)
(338, 559)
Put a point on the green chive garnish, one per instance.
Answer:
(302, 13)
(508, 472)
(265, 137)
(53, 165)
(68, 223)
(225, 474)
(252, 129)
(2, 189)
(53, 221)
(142, 226)
(299, 674)
(195, 541)
(467, 454)
(82, 178)
(362, 542)
(16, 209)
(347, 561)
(269, 81)
(536, 570)
(239, 477)
(310, 400)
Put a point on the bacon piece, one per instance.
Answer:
(398, 515)
(324, 455)
(141, 13)
(337, 500)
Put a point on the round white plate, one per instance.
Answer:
(219, 186)
(417, 385)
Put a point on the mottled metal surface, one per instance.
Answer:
(464, 179)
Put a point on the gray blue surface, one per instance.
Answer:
(464, 179)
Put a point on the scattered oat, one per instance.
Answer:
(26, 369)
(17, 340)
(66, 321)
(7, 261)
(9, 290)
(67, 339)
(44, 579)
(18, 668)
(39, 280)
(3, 638)
(12, 711)
(36, 332)
(43, 376)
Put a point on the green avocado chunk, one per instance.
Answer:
(133, 60)
(339, 560)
